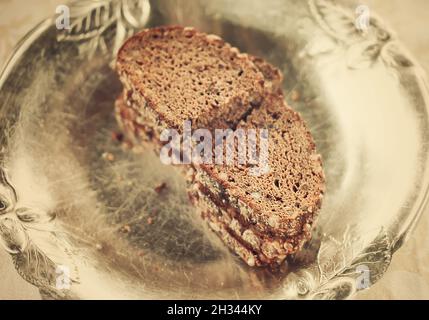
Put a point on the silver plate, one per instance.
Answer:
(75, 205)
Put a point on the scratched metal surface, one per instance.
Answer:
(64, 203)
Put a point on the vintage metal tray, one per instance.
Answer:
(78, 210)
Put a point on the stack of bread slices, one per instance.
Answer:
(173, 74)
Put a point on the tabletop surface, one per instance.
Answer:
(408, 275)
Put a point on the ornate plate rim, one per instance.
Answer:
(404, 232)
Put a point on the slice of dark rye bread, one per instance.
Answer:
(180, 74)
(148, 122)
(269, 216)
(263, 219)
(143, 126)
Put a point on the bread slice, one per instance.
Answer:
(180, 74)
(142, 127)
(261, 218)
(269, 215)
(172, 74)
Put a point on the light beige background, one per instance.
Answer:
(408, 276)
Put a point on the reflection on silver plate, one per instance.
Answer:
(80, 224)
